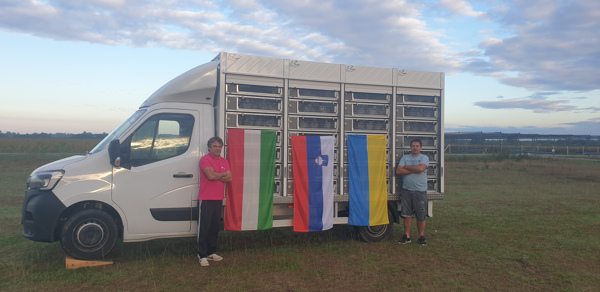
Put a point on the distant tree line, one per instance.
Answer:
(84, 135)
(499, 138)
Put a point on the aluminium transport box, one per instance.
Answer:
(295, 97)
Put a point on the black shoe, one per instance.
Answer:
(422, 241)
(405, 239)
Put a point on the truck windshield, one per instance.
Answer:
(118, 131)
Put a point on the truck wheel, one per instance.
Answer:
(89, 234)
(376, 233)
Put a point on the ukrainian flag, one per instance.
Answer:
(367, 177)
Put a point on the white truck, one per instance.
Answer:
(141, 182)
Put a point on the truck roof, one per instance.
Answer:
(197, 85)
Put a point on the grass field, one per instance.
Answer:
(505, 224)
(46, 145)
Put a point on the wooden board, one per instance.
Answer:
(72, 263)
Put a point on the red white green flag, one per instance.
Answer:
(249, 197)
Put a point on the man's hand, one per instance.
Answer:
(411, 169)
(401, 170)
(222, 176)
(227, 178)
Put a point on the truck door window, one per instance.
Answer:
(160, 137)
(116, 133)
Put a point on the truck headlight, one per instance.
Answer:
(44, 180)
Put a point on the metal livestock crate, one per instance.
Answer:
(367, 125)
(417, 99)
(416, 112)
(312, 123)
(367, 97)
(403, 141)
(253, 89)
(253, 121)
(253, 104)
(417, 127)
(306, 93)
(367, 110)
(309, 107)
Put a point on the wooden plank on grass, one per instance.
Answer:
(72, 263)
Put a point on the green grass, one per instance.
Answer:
(46, 145)
(505, 224)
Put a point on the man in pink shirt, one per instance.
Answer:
(214, 173)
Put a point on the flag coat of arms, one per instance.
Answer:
(313, 182)
(249, 201)
(367, 178)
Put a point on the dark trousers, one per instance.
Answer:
(209, 226)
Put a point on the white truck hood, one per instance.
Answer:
(60, 164)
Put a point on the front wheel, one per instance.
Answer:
(376, 233)
(89, 234)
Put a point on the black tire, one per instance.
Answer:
(89, 234)
(376, 233)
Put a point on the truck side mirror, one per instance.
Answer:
(114, 151)
(118, 154)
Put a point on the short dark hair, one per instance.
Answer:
(418, 141)
(213, 140)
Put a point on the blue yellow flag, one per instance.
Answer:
(367, 178)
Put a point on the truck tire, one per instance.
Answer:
(89, 234)
(376, 233)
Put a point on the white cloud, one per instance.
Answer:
(554, 46)
(538, 103)
(371, 33)
(535, 105)
(245, 4)
(461, 7)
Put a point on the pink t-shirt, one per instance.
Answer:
(212, 189)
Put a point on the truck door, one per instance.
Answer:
(156, 194)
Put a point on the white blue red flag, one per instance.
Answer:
(313, 182)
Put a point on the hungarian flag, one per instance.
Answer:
(249, 201)
(313, 182)
(367, 178)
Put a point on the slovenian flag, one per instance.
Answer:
(249, 201)
(313, 182)
(367, 178)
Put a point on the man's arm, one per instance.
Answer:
(211, 174)
(401, 170)
(227, 178)
(222, 176)
(411, 169)
(416, 168)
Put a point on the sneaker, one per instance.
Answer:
(405, 239)
(422, 241)
(203, 261)
(215, 257)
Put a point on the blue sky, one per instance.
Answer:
(530, 66)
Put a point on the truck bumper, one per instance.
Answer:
(41, 210)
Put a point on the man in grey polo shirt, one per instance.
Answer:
(413, 195)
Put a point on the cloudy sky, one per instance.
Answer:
(516, 66)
